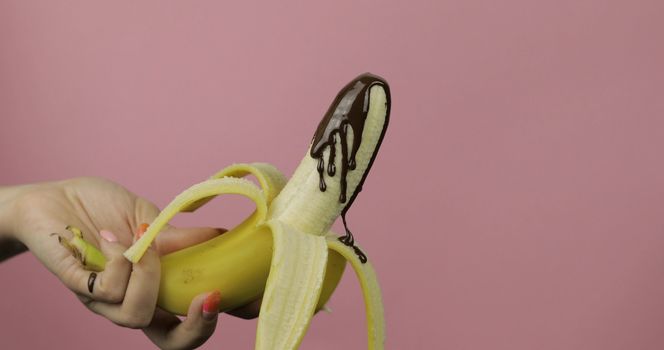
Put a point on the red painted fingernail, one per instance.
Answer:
(108, 236)
(141, 230)
(211, 305)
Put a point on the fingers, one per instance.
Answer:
(108, 285)
(249, 311)
(168, 332)
(173, 238)
(140, 299)
(144, 211)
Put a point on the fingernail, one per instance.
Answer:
(141, 230)
(108, 236)
(211, 305)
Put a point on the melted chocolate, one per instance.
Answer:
(348, 112)
(350, 241)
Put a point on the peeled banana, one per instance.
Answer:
(284, 251)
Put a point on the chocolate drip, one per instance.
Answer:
(350, 241)
(331, 168)
(344, 163)
(348, 112)
(321, 170)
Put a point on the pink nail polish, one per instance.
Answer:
(108, 236)
(211, 305)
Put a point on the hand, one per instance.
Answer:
(109, 215)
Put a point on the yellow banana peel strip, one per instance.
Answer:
(201, 191)
(293, 287)
(270, 179)
(371, 291)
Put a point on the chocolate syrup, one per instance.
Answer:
(350, 241)
(348, 112)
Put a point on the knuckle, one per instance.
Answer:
(91, 182)
(66, 271)
(110, 294)
(87, 180)
(39, 196)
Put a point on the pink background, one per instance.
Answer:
(517, 203)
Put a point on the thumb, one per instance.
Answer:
(174, 238)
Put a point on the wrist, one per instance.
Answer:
(10, 244)
(8, 196)
(17, 204)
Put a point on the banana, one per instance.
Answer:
(284, 251)
(90, 257)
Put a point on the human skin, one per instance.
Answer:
(109, 216)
